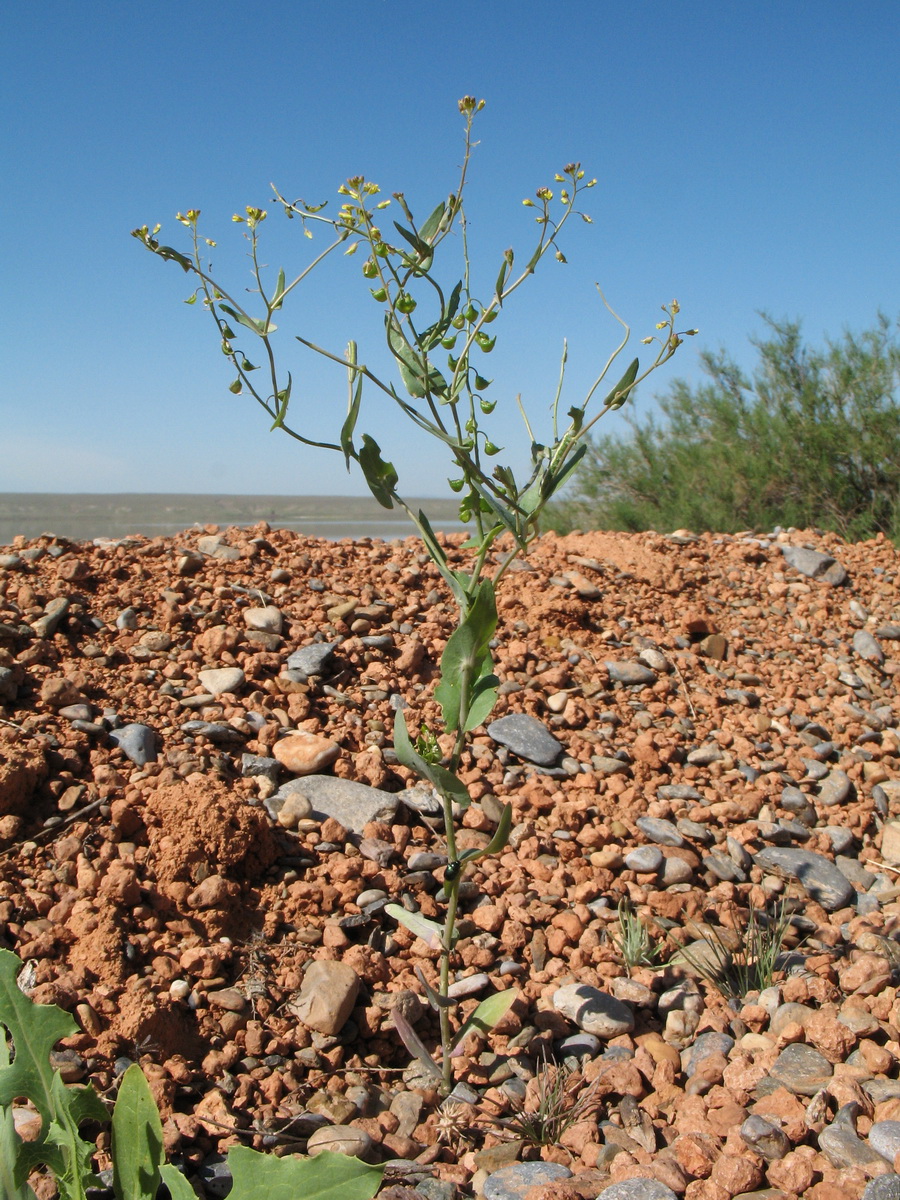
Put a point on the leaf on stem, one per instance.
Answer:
(488, 1014)
(467, 690)
(429, 931)
(619, 394)
(381, 476)
(447, 784)
(325, 1176)
(414, 1043)
(436, 1000)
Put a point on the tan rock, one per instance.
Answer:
(305, 753)
(327, 996)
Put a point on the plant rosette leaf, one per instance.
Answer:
(326, 1176)
(137, 1139)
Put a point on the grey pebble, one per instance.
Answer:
(843, 1148)
(137, 741)
(677, 791)
(644, 859)
(512, 1182)
(593, 1011)
(527, 738)
(577, 1045)
(351, 804)
(885, 1187)
(253, 765)
(818, 875)
(637, 1189)
(801, 1069)
(660, 831)
(9, 689)
(835, 788)
(841, 838)
(631, 673)
(867, 647)
(47, 625)
(766, 1138)
(310, 660)
(884, 1136)
(724, 868)
(216, 732)
(706, 1044)
(815, 565)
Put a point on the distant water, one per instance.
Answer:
(82, 516)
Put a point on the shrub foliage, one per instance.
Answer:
(811, 439)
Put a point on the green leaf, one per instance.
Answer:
(420, 247)
(447, 784)
(353, 407)
(326, 1176)
(260, 327)
(439, 558)
(429, 931)
(137, 1139)
(283, 399)
(616, 399)
(416, 379)
(35, 1029)
(466, 664)
(488, 1014)
(380, 475)
(279, 290)
(178, 1186)
(435, 999)
(497, 842)
(433, 224)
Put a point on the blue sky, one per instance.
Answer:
(746, 157)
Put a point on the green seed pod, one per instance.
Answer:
(449, 342)
(491, 316)
(369, 269)
(456, 485)
(379, 294)
(405, 303)
(487, 406)
(458, 321)
(490, 449)
(470, 312)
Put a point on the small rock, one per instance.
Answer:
(137, 741)
(310, 660)
(267, 619)
(766, 1138)
(593, 1011)
(885, 1187)
(219, 680)
(633, 674)
(527, 738)
(867, 647)
(820, 877)
(212, 892)
(802, 1070)
(637, 1189)
(884, 1136)
(815, 565)
(341, 1139)
(327, 996)
(706, 1044)
(351, 804)
(835, 788)
(644, 860)
(660, 831)
(305, 753)
(512, 1182)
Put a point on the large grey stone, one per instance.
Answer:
(885, 1187)
(659, 830)
(309, 660)
(884, 1136)
(527, 738)
(512, 1182)
(351, 804)
(637, 1189)
(814, 564)
(835, 788)
(821, 878)
(867, 647)
(633, 674)
(593, 1011)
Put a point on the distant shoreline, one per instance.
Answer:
(83, 516)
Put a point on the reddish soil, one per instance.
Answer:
(118, 881)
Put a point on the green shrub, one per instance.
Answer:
(812, 439)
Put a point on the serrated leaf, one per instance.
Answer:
(325, 1176)
(178, 1186)
(429, 931)
(488, 1014)
(381, 476)
(137, 1139)
(35, 1029)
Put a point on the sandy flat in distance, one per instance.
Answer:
(83, 516)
